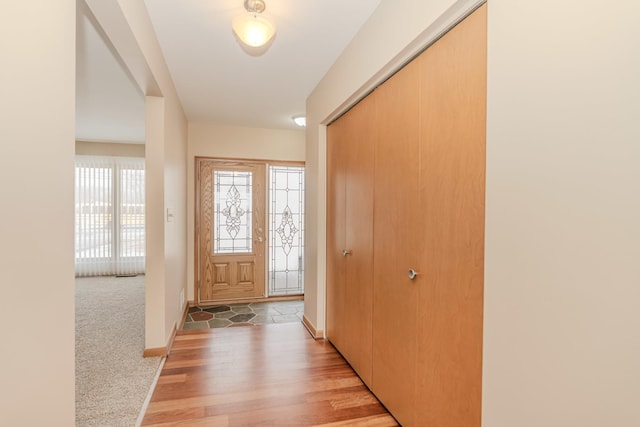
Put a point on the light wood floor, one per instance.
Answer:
(270, 375)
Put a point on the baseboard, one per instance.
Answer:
(161, 351)
(185, 310)
(155, 352)
(164, 351)
(317, 334)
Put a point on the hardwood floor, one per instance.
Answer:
(270, 375)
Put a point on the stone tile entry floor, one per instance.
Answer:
(243, 314)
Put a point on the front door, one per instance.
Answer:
(231, 226)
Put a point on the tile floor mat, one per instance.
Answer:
(243, 314)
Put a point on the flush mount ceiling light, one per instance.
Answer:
(251, 27)
(300, 120)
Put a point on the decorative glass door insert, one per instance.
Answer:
(286, 230)
(233, 212)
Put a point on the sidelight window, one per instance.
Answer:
(286, 230)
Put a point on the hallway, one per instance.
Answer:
(271, 375)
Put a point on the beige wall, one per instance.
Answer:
(562, 340)
(166, 268)
(90, 148)
(562, 296)
(37, 87)
(166, 239)
(155, 295)
(214, 140)
(222, 141)
(175, 199)
(129, 28)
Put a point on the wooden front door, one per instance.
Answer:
(231, 230)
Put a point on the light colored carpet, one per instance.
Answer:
(112, 377)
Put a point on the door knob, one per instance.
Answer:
(346, 252)
(412, 274)
(260, 239)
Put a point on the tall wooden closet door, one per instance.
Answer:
(452, 182)
(350, 328)
(397, 245)
(359, 238)
(336, 265)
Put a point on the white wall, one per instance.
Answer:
(222, 141)
(37, 135)
(562, 329)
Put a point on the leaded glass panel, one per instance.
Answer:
(232, 217)
(286, 230)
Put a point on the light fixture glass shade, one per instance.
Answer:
(300, 120)
(252, 29)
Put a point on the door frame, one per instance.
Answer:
(196, 228)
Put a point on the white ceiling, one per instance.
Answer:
(216, 79)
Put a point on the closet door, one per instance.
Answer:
(452, 182)
(397, 243)
(336, 223)
(350, 157)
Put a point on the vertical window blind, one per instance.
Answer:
(109, 216)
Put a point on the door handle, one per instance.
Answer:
(412, 274)
(346, 252)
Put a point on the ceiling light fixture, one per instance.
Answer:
(252, 28)
(300, 120)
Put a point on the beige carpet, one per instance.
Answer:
(112, 377)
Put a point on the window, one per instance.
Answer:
(109, 216)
